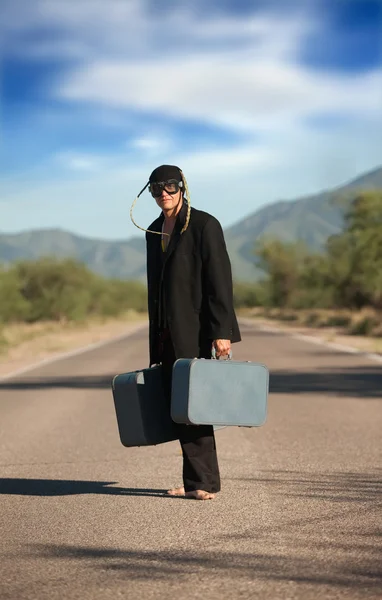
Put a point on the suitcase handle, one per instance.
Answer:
(213, 353)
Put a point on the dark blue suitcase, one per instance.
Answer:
(143, 414)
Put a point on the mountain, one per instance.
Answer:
(124, 259)
(311, 219)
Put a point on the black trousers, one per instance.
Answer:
(200, 463)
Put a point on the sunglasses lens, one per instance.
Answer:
(156, 189)
(171, 186)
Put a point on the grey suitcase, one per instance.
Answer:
(142, 410)
(143, 413)
(219, 392)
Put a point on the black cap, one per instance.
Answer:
(165, 172)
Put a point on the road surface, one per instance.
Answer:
(299, 515)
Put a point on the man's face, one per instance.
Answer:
(167, 201)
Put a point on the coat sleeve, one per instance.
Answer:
(217, 282)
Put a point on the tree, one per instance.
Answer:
(347, 275)
(56, 290)
(355, 256)
(13, 305)
(282, 262)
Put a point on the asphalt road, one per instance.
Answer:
(299, 515)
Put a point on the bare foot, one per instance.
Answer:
(200, 495)
(179, 491)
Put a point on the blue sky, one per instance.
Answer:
(255, 101)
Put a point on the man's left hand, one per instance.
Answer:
(222, 347)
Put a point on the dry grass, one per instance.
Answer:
(361, 329)
(22, 343)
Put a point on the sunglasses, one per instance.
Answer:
(171, 186)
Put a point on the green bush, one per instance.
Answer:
(3, 342)
(288, 317)
(312, 319)
(338, 321)
(64, 290)
(363, 326)
(246, 295)
(56, 290)
(116, 297)
(13, 305)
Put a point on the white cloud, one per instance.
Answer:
(76, 161)
(239, 73)
(149, 143)
(123, 26)
(235, 90)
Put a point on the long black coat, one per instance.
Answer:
(190, 286)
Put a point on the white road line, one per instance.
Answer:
(338, 347)
(313, 340)
(266, 328)
(70, 353)
(320, 342)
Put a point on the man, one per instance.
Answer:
(190, 303)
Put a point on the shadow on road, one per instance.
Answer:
(334, 548)
(76, 382)
(337, 486)
(365, 382)
(62, 487)
(302, 567)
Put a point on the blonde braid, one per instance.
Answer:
(131, 216)
(188, 202)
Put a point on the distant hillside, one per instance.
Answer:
(124, 259)
(311, 219)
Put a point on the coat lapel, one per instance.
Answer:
(155, 240)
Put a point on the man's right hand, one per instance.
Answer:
(222, 347)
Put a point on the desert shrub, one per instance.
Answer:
(55, 290)
(3, 341)
(64, 290)
(13, 305)
(338, 320)
(363, 325)
(377, 330)
(288, 316)
(118, 296)
(246, 295)
(312, 319)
